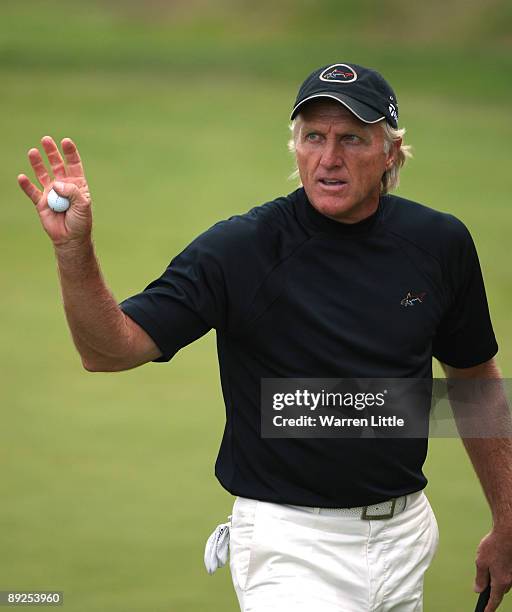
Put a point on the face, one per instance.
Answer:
(341, 161)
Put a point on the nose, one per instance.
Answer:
(331, 155)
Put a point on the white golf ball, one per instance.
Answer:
(56, 202)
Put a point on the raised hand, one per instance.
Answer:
(75, 225)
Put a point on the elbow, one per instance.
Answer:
(89, 366)
(96, 366)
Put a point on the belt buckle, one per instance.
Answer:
(378, 517)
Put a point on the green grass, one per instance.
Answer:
(108, 482)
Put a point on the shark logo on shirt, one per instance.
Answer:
(411, 299)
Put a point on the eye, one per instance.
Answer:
(312, 137)
(351, 138)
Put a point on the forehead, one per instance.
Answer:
(328, 110)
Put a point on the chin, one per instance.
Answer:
(333, 207)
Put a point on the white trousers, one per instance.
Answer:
(292, 558)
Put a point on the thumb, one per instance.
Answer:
(481, 579)
(67, 190)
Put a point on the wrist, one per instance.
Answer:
(74, 246)
(76, 259)
(503, 525)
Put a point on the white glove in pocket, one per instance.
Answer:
(217, 548)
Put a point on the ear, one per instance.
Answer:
(393, 153)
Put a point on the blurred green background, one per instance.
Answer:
(180, 112)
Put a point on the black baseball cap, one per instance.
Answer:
(362, 90)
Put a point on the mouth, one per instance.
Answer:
(332, 184)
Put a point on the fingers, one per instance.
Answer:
(497, 593)
(72, 167)
(482, 577)
(29, 188)
(73, 160)
(36, 161)
(54, 157)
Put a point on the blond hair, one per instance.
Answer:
(391, 178)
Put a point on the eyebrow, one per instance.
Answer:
(312, 126)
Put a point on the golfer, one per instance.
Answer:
(338, 279)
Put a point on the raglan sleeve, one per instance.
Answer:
(188, 299)
(465, 336)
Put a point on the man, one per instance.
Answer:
(337, 279)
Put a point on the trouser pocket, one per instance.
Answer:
(241, 541)
(434, 530)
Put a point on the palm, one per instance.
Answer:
(76, 222)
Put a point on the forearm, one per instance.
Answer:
(492, 461)
(97, 324)
(481, 410)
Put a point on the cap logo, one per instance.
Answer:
(340, 73)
